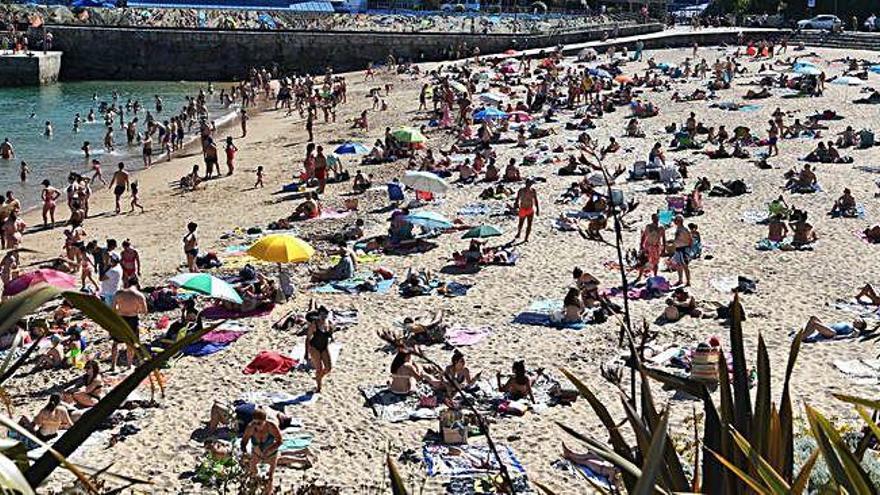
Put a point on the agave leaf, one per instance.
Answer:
(10, 371)
(869, 420)
(50, 451)
(11, 479)
(16, 452)
(398, 487)
(620, 446)
(803, 478)
(844, 467)
(691, 387)
(725, 443)
(103, 316)
(96, 415)
(761, 418)
(771, 478)
(742, 417)
(624, 464)
(786, 415)
(775, 448)
(20, 305)
(674, 475)
(748, 480)
(859, 401)
(653, 459)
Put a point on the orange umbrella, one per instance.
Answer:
(623, 79)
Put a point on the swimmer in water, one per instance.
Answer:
(47, 130)
(77, 121)
(108, 139)
(87, 149)
(24, 171)
(7, 152)
(91, 116)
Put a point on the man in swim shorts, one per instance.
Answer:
(129, 303)
(527, 207)
(119, 183)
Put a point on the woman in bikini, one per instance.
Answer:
(318, 337)
(87, 267)
(519, 386)
(50, 197)
(264, 437)
(135, 197)
(457, 375)
(231, 150)
(93, 387)
(405, 374)
(52, 418)
(13, 229)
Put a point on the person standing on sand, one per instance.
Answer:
(50, 197)
(265, 439)
(259, 182)
(191, 247)
(119, 184)
(129, 303)
(527, 208)
(108, 140)
(318, 337)
(147, 151)
(653, 244)
(309, 126)
(244, 119)
(135, 198)
(683, 241)
(231, 150)
(210, 153)
(130, 260)
(321, 169)
(96, 168)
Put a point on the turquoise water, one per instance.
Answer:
(24, 112)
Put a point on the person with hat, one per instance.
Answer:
(527, 208)
(318, 337)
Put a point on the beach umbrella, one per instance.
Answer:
(600, 73)
(519, 116)
(489, 113)
(409, 135)
(281, 248)
(847, 81)
(492, 98)
(351, 148)
(425, 181)
(481, 232)
(623, 79)
(809, 70)
(43, 276)
(208, 285)
(875, 69)
(461, 88)
(428, 220)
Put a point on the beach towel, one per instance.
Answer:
(467, 460)
(588, 215)
(479, 209)
(359, 257)
(768, 245)
(295, 441)
(543, 313)
(298, 354)
(462, 336)
(395, 408)
(276, 399)
(593, 476)
(221, 336)
(860, 213)
(355, 285)
(864, 311)
(754, 217)
(201, 348)
(859, 368)
(269, 362)
(329, 213)
(221, 313)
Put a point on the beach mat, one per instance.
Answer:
(538, 314)
(354, 285)
(467, 460)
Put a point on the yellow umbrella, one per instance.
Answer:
(281, 248)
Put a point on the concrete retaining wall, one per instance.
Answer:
(29, 70)
(174, 54)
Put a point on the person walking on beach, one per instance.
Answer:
(135, 198)
(318, 337)
(96, 169)
(130, 261)
(50, 196)
(309, 126)
(147, 150)
(772, 139)
(7, 152)
(119, 184)
(130, 304)
(191, 246)
(231, 150)
(527, 207)
(653, 244)
(244, 119)
(259, 182)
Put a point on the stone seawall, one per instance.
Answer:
(174, 54)
(34, 69)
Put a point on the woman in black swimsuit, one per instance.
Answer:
(318, 339)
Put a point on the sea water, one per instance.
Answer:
(24, 112)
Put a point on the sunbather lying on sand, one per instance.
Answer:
(429, 329)
(870, 294)
(815, 329)
(590, 460)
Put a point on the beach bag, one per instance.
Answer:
(866, 138)
(704, 364)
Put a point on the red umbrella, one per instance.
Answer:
(42, 276)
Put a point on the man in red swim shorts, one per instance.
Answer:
(527, 207)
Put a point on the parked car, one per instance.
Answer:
(825, 21)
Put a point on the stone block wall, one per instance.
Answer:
(93, 53)
(24, 70)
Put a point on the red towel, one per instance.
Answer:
(270, 362)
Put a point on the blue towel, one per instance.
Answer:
(455, 289)
(350, 286)
(200, 349)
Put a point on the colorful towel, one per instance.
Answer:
(394, 408)
(199, 349)
(355, 285)
(467, 460)
(221, 313)
(222, 336)
(270, 362)
(461, 336)
(329, 213)
(540, 313)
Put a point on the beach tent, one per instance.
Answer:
(409, 135)
(492, 98)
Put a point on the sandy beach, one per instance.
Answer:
(349, 442)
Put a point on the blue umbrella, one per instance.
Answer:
(428, 220)
(875, 68)
(489, 113)
(600, 73)
(351, 148)
(809, 70)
